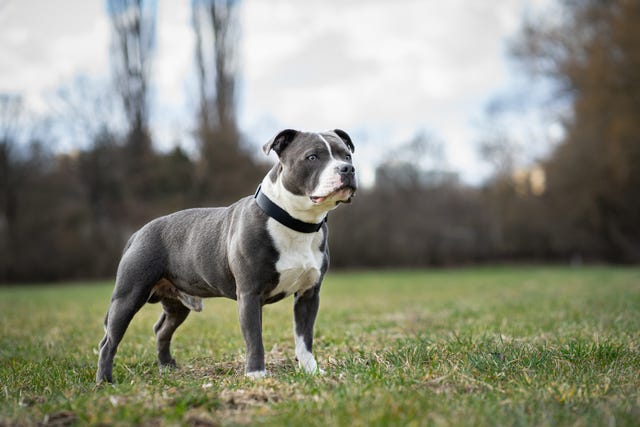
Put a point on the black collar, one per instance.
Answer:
(280, 215)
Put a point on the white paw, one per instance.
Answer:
(256, 375)
(306, 361)
(310, 366)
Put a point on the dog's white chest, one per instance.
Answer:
(300, 258)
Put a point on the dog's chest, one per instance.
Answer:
(300, 259)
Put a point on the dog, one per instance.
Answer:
(256, 251)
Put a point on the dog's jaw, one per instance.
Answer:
(299, 207)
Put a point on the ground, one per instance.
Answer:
(476, 346)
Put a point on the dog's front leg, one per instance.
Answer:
(305, 309)
(250, 313)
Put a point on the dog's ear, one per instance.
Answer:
(346, 138)
(279, 142)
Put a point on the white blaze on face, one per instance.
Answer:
(329, 179)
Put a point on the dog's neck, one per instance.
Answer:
(299, 207)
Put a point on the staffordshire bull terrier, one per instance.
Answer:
(257, 251)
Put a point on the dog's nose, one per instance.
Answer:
(346, 169)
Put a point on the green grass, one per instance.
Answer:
(481, 346)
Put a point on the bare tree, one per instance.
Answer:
(216, 26)
(10, 112)
(84, 108)
(225, 170)
(133, 41)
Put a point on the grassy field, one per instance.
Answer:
(482, 346)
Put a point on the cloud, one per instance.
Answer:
(47, 43)
(323, 60)
(172, 107)
(392, 68)
(174, 57)
(381, 70)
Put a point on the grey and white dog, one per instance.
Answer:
(257, 251)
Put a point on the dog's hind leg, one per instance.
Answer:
(173, 314)
(134, 283)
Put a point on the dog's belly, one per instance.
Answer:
(166, 289)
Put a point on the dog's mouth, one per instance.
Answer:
(341, 194)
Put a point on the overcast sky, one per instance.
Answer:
(381, 70)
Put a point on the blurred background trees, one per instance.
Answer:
(225, 168)
(67, 214)
(593, 178)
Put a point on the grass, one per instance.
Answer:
(480, 346)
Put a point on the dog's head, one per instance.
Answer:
(318, 166)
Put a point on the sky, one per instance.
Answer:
(383, 71)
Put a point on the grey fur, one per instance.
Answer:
(217, 252)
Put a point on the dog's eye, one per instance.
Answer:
(312, 157)
(347, 157)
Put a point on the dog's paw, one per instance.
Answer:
(310, 366)
(168, 365)
(256, 375)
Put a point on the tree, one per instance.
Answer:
(85, 107)
(225, 169)
(133, 23)
(593, 179)
(216, 27)
(11, 176)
